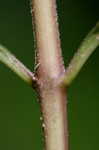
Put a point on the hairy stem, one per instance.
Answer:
(53, 104)
(90, 43)
(52, 97)
(15, 65)
(47, 37)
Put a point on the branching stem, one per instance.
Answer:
(50, 71)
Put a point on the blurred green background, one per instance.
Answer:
(20, 127)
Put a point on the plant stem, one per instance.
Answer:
(52, 96)
(90, 43)
(47, 37)
(53, 104)
(15, 65)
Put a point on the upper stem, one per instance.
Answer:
(47, 38)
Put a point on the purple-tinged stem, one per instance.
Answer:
(52, 95)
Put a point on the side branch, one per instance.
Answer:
(16, 66)
(90, 43)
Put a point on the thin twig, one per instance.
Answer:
(15, 65)
(90, 43)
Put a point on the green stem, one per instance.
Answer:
(15, 65)
(90, 43)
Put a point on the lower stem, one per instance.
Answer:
(54, 110)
